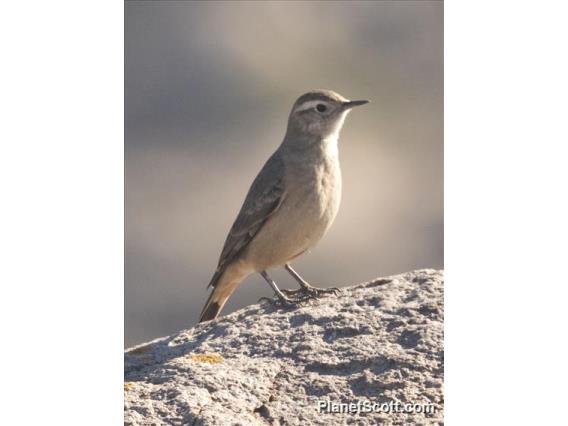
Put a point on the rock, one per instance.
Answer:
(378, 344)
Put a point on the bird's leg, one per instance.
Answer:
(309, 290)
(281, 296)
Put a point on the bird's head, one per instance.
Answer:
(320, 113)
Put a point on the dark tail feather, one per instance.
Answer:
(223, 283)
(210, 310)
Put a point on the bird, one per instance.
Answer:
(290, 205)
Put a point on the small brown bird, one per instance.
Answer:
(291, 203)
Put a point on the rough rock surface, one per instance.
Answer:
(379, 342)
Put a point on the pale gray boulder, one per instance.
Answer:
(374, 344)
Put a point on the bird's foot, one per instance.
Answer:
(289, 298)
(310, 292)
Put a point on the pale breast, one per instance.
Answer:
(324, 196)
(310, 204)
(319, 188)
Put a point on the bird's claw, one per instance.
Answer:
(307, 293)
(298, 297)
(316, 292)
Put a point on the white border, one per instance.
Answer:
(506, 212)
(61, 174)
(62, 223)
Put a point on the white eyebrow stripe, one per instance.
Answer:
(309, 104)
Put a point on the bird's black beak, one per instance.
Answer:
(351, 104)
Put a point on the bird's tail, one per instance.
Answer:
(224, 284)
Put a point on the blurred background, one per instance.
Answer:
(208, 90)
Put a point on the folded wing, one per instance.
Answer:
(263, 199)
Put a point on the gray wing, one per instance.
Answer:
(264, 197)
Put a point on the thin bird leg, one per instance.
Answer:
(281, 296)
(308, 289)
(303, 283)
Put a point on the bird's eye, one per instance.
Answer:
(321, 107)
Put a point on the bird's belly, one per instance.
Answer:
(301, 221)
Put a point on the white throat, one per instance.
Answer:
(334, 134)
